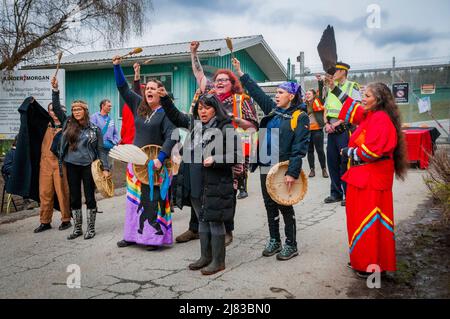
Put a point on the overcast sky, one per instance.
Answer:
(408, 29)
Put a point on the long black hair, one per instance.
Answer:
(212, 100)
(386, 102)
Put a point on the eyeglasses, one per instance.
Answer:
(221, 81)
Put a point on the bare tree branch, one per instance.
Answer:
(33, 29)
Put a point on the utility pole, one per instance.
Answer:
(393, 70)
(301, 61)
(289, 69)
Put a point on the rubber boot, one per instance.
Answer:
(205, 250)
(218, 256)
(91, 214)
(78, 223)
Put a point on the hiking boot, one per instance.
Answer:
(332, 199)
(312, 173)
(205, 250)
(42, 227)
(325, 173)
(187, 236)
(273, 246)
(65, 225)
(287, 252)
(228, 238)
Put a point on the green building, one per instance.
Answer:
(90, 75)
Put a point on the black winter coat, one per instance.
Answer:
(24, 179)
(218, 196)
(293, 144)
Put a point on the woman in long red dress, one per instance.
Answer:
(376, 151)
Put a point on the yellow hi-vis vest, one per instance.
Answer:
(333, 104)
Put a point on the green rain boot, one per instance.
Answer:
(218, 256)
(205, 249)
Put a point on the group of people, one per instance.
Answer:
(66, 162)
(365, 148)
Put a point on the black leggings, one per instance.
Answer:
(273, 211)
(75, 175)
(317, 143)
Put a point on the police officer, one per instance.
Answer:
(338, 132)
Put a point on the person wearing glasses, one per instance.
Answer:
(226, 86)
(210, 175)
(81, 144)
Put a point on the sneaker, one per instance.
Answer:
(273, 246)
(287, 252)
(65, 225)
(42, 227)
(242, 194)
(187, 236)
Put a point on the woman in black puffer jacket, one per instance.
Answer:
(208, 170)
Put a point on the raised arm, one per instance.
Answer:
(137, 79)
(264, 101)
(56, 102)
(175, 116)
(132, 99)
(352, 112)
(197, 67)
(320, 86)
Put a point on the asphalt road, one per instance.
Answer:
(35, 265)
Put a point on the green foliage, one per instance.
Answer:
(5, 146)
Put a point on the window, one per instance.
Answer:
(165, 78)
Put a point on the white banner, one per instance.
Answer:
(16, 86)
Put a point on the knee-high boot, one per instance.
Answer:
(78, 223)
(205, 250)
(218, 256)
(91, 214)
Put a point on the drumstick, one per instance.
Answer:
(134, 51)
(58, 63)
(147, 61)
(230, 46)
